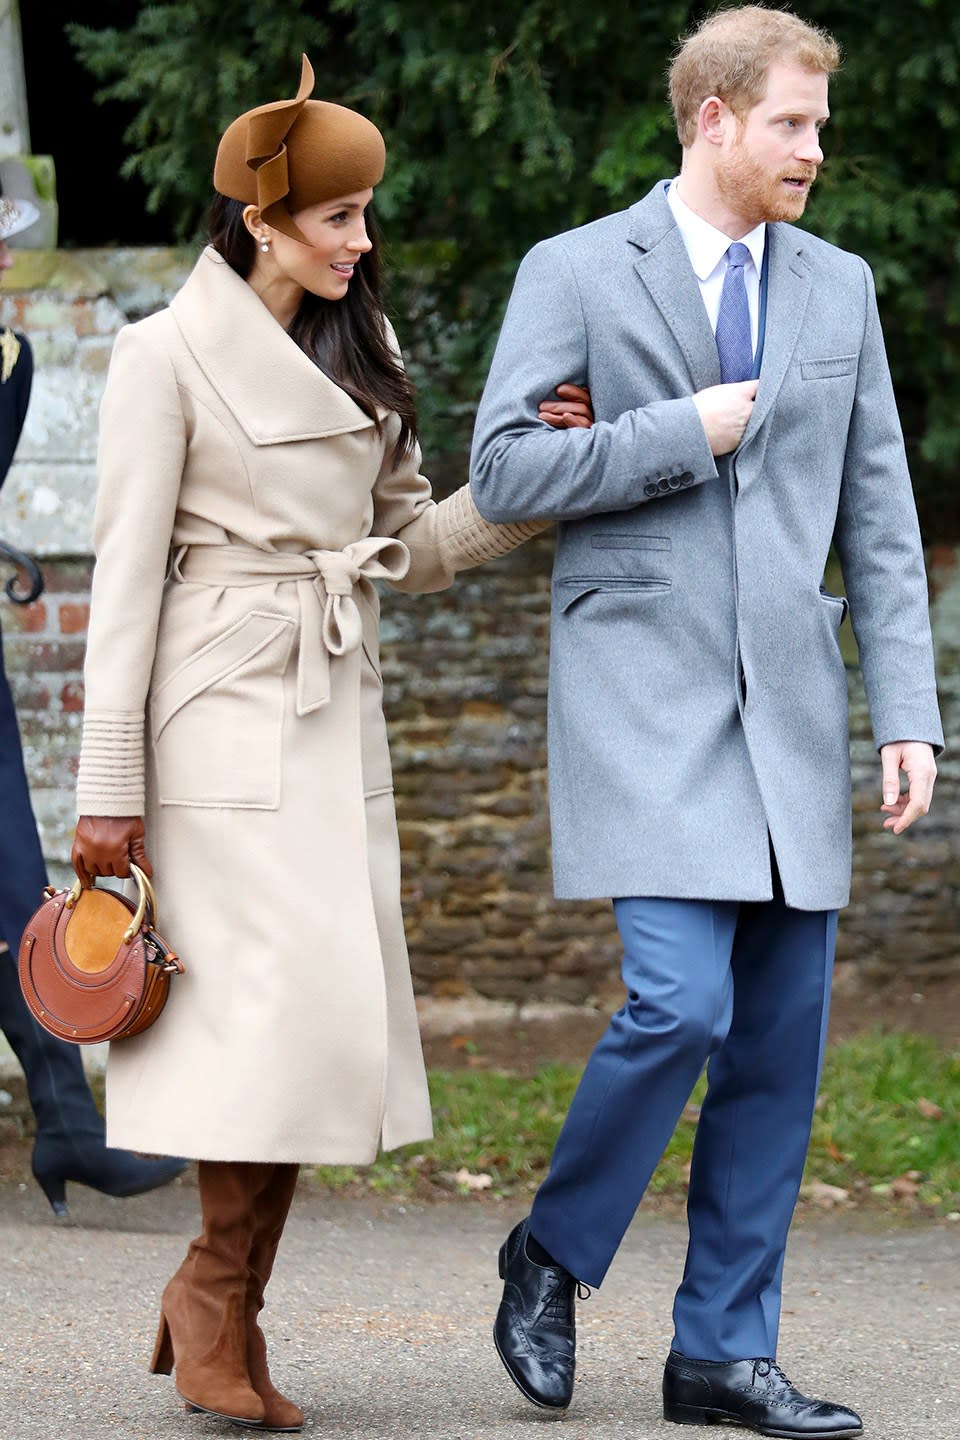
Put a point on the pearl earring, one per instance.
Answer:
(265, 246)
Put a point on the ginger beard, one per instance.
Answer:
(755, 194)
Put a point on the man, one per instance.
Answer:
(70, 1143)
(699, 751)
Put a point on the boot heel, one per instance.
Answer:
(53, 1186)
(687, 1414)
(502, 1261)
(161, 1362)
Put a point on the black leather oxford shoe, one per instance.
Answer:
(535, 1328)
(754, 1393)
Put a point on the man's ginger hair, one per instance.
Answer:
(730, 54)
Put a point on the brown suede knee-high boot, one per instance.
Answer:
(203, 1311)
(271, 1209)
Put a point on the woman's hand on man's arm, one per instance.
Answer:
(573, 410)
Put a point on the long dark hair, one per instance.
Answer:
(346, 338)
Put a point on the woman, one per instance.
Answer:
(257, 471)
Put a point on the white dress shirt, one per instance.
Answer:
(707, 247)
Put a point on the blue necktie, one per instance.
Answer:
(734, 336)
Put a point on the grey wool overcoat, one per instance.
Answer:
(245, 507)
(698, 697)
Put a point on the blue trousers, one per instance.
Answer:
(743, 988)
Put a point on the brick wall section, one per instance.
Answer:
(905, 902)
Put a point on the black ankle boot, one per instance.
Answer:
(85, 1159)
(70, 1140)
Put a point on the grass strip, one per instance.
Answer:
(886, 1131)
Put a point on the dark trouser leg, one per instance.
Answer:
(753, 1133)
(676, 970)
(70, 1143)
(56, 1083)
(23, 873)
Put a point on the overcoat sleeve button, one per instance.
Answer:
(663, 485)
(675, 482)
(686, 478)
(650, 488)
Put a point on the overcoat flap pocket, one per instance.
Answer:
(838, 604)
(215, 660)
(572, 588)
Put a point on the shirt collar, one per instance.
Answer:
(706, 245)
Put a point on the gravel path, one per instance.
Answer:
(379, 1322)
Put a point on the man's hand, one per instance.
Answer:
(573, 410)
(724, 411)
(915, 759)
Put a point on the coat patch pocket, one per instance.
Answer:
(217, 721)
(828, 369)
(576, 587)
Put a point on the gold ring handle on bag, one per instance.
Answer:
(147, 897)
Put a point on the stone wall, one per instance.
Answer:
(465, 688)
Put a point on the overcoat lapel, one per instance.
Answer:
(271, 387)
(663, 266)
(788, 290)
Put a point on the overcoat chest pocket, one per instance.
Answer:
(620, 540)
(828, 369)
(217, 720)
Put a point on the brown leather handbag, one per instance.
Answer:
(92, 964)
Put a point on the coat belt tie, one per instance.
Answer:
(330, 621)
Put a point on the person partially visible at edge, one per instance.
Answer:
(698, 732)
(70, 1141)
(257, 473)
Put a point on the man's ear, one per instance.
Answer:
(713, 120)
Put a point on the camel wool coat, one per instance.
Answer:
(245, 507)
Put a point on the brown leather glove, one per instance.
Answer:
(105, 845)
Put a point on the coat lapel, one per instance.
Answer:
(273, 390)
(788, 290)
(663, 266)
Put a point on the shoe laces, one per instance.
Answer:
(556, 1303)
(764, 1368)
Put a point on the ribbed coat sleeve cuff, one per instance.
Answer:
(110, 780)
(467, 539)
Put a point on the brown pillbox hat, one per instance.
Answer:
(290, 154)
